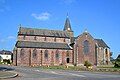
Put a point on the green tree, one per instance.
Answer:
(117, 61)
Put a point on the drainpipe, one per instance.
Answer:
(16, 57)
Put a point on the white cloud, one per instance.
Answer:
(11, 37)
(43, 16)
(68, 2)
(7, 39)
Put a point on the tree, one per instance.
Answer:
(117, 61)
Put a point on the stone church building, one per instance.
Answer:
(41, 47)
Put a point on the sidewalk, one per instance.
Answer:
(7, 74)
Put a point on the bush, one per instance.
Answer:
(75, 64)
(117, 62)
(87, 64)
(6, 61)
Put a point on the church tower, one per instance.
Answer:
(67, 27)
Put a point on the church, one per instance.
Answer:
(43, 47)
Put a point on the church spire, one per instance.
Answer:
(67, 26)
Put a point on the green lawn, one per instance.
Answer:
(105, 66)
(59, 67)
(51, 67)
(112, 67)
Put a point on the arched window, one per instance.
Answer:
(41, 51)
(22, 52)
(86, 46)
(46, 53)
(55, 39)
(67, 54)
(106, 51)
(64, 40)
(57, 54)
(35, 38)
(45, 39)
(34, 53)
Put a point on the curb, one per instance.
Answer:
(7, 77)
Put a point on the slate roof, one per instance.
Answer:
(6, 52)
(42, 32)
(101, 43)
(45, 45)
(67, 25)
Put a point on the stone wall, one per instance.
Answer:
(80, 53)
(40, 60)
(103, 56)
(43, 39)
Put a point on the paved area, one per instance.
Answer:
(7, 74)
(27, 73)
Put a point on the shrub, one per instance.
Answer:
(75, 64)
(6, 61)
(87, 64)
(117, 62)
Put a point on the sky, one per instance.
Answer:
(101, 18)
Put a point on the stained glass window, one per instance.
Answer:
(86, 46)
(22, 52)
(34, 53)
(57, 54)
(46, 53)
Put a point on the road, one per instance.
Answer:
(28, 73)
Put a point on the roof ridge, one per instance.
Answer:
(42, 29)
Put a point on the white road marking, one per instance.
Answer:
(77, 75)
(53, 72)
(60, 73)
(37, 70)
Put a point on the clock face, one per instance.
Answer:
(68, 28)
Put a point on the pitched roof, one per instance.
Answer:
(42, 32)
(6, 52)
(101, 43)
(67, 26)
(45, 45)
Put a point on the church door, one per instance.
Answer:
(68, 60)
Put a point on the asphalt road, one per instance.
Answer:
(27, 73)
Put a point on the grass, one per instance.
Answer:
(55, 67)
(51, 67)
(59, 67)
(105, 66)
(111, 67)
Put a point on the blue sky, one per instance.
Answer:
(100, 17)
